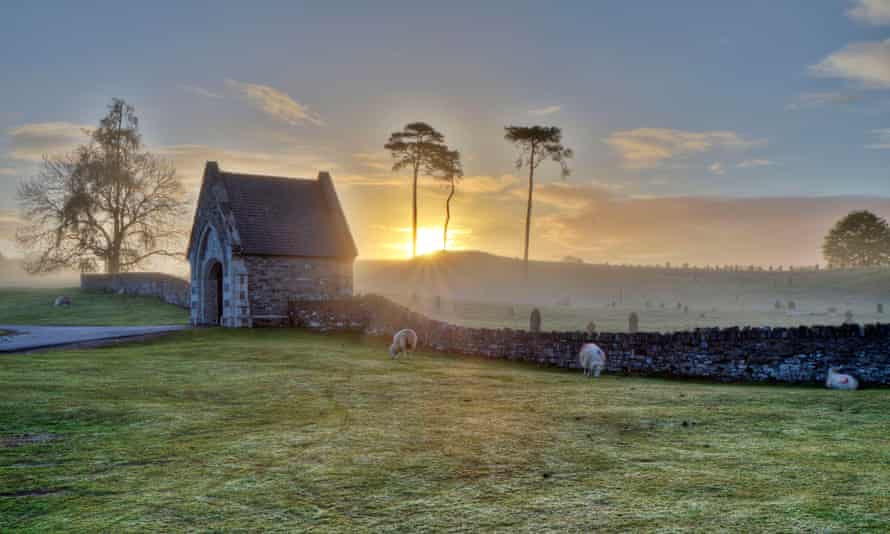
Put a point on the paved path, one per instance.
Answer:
(27, 338)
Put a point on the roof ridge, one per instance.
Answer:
(265, 176)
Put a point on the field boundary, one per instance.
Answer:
(170, 289)
(798, 355)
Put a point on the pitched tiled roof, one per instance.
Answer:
(288, 216)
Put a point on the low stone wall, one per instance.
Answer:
(791, 355)
(168, 288)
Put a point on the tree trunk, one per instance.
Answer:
(528, 212)
(414, 213)
(447, 216)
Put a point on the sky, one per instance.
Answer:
(704, 132)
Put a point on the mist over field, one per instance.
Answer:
(480, 289)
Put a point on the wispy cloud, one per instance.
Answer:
(817, 100)
(545, 110)
(647, 147)
(379, 161)
(867, 63)
(189, 161)
(601, 225)
(717, 168)
(200, 91)
(750, 163)
(8, 171)
(875, 12)
(882, 141)
(275, 103)
(32, 141)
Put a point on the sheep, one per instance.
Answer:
(62, 301)
(836, 380)
(403, 342)
(592, 359)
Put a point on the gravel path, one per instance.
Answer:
(28, 338)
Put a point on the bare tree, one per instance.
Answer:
(416, 147)
(536, 144)
(108, 201)
(448, 168)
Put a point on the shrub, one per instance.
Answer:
(848, 317)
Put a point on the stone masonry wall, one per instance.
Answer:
(274, 281)
(168, 288)
(791, 355)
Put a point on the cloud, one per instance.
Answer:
(275, 103)
(379, 161)
(545, 110)
(200, 91)
(883, 139)
(749, 163)
(717, 168)
(647, 147)
(31, 142)
(8, 171)
(816, 100)
(486, 185)
(189, 161)
(600, 225)
(867, 63)
(875, 12)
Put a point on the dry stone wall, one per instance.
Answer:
(791, 355)
(168, 288)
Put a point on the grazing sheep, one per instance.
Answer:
(62, 301)
(592, 359)
(836, 380)
(403, 342)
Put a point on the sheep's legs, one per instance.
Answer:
(596, 371)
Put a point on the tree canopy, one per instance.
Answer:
(861, 239)
(108, 202)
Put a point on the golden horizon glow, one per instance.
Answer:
(429, 240)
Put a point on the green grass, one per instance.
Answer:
(35, 307)
(286, 430)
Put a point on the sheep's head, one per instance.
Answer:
(393, 350)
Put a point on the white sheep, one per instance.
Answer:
(403, 342)
(592, 359)
(836, 380)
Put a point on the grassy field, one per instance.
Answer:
(35, 307)
(285, 430)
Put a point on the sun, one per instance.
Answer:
(429, 239)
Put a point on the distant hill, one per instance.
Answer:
(486, 277)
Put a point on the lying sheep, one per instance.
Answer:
(592, 359)
(403, 342)
(836, 380)
(62, 301)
